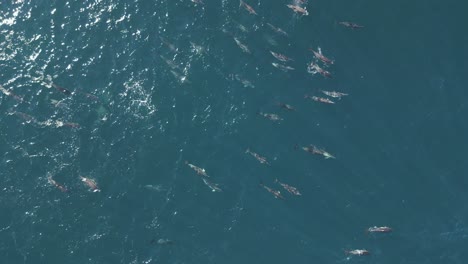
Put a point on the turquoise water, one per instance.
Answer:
(399, 137)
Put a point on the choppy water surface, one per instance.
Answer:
(127, 92)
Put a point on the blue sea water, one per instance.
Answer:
(399, 137)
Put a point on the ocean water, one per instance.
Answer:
(146, 86)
